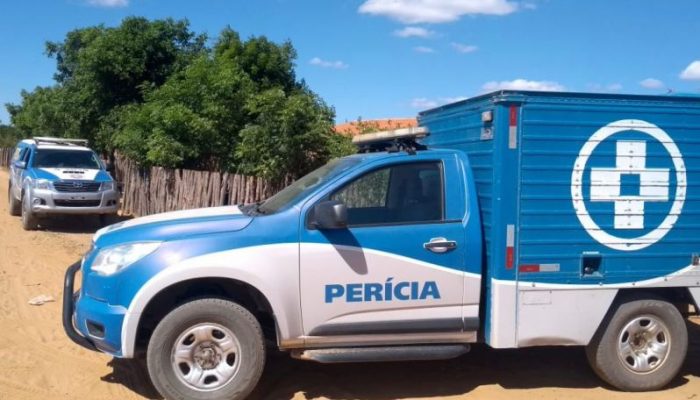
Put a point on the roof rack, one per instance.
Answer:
(63, 141)
(395, 140)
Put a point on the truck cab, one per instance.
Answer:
(50, 176)
(468, 229)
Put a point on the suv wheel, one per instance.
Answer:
(29, 220)
(14, 205)
(206, 349)
(106, 219)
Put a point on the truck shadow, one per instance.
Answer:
(77, 223)
(132, 374)
(530, 368)
(511, 369)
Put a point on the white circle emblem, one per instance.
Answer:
(604, 238)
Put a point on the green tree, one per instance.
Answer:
(44, 111)
(155, 91)
(199, 112)
(100, 70)
(9, 136)
(288, 132)
(238, 108)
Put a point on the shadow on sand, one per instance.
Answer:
(529, 368)
(556, 367)
(132, 374)
(78, 223)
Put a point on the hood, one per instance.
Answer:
(173, 225)
(74, 174)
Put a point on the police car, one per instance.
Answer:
(514, 218)
(50, 176)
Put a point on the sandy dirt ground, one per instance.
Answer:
(37, 361)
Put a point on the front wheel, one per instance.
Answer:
(14, 205)
(29, 220)
(206, 349)
(642, 346)
(106, 219)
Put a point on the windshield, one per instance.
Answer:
(50, 158)
(303, 186)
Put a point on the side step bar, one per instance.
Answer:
(379, 354)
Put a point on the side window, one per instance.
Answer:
(403, 193)
(15, 155)
(26, 154)
(367, 192)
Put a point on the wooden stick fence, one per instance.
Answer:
(156, 190)
(5, 156)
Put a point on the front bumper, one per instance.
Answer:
(44, 201)
(91, 323)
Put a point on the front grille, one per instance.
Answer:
(76, 186)
(76, 203)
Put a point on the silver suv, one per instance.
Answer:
(59, 176)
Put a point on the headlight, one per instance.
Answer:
(42, 184)
(112, 259)
(107, 186)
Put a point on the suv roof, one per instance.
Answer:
(43, 142)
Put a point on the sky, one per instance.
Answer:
(394, 58)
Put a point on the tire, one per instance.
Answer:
(205, 332)
(14, 206)
(29, 221)
(641, 346)
(106, 219)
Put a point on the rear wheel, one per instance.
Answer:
(206, 349)
(29, 220)
(14, 206)
(641, 347)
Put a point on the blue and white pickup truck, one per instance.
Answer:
(514, 218)
(50, 176)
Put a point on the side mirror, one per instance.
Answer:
(20, 164)
(331, 214)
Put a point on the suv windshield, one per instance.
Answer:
(303, 186)
(51, 158)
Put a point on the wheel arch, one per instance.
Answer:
(679, 296)
(272, 271)
(178, 293)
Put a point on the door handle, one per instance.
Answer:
(440, 245)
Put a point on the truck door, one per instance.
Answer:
(398, 266)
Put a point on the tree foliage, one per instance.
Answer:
(287, 131)
(155, 91)
(9, 136)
